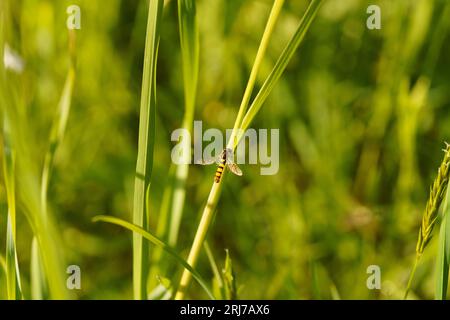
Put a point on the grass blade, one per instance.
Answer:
(229, 279)
(29, 198)
(273, 17)
(281, 64)
(147, 235)
(214, 194)
(2, 277)
(24, 173)
(38, 286)
(217, 280)
(14, 290)
(3, 264)
(443, 255)
(145, 148)
(161, 232)
(442, 265)
(37, 280)
(190, 60)
(175, 191)
(57, 134)
(18, 137)
(12, 268)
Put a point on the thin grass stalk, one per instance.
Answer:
(27, 192)
(214, 267)
(159, 243)
(38, 285)
(9, 171)
(237, 134)
(276, 9)
(214, 194)
(171, 211)
(411, 277)
(57, 134)
(146, 141)
(45, 233)
(200, 236)
(12, 268)
(52, 260)
(279, 67)
(229, 278)
(156, 263)
(43, 228)
(190, 60)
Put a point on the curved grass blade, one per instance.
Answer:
(17, 124)
(12, 267)
(190, 60)
(146, 141)
(161, 232)
(38, 286)
(270, 26)
(214, 194)
(171, 211)
(147, 235)
(280, 65)
(57, 134)
(29, 198)
(14, 290)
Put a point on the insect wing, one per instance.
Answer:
(234, 168)
(209, 160)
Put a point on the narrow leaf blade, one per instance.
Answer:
(156, 241)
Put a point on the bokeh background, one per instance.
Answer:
(363, 116)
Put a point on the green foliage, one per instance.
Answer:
(362, 116)
(144, 166)
(443, 254)
(159, 243)
(229, 279)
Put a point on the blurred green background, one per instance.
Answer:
(363, 116)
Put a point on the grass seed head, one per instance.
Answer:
(437, 194)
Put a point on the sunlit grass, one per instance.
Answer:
(214, 194)
(361, 115)
(144, 166)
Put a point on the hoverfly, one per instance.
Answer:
(224, 159)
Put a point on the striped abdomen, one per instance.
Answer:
(220, 169)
